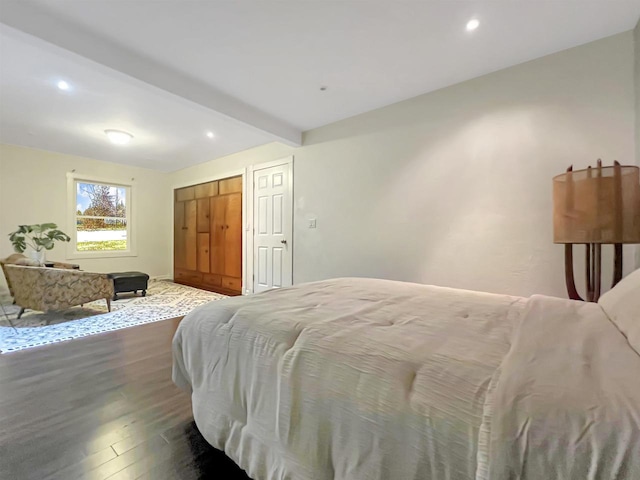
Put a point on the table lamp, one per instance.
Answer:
(596, 206)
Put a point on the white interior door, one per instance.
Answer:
(273, 229)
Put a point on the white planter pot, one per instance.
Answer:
(38, 256)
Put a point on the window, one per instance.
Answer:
(101, 218)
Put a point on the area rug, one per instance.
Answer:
(164, 300)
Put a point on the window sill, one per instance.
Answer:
(107, 254)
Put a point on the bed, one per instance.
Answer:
(373, 379)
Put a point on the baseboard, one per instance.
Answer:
(162, 277)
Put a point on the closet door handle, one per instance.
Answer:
(283, 242)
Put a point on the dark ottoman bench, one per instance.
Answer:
(129, 282)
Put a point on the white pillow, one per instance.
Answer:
(622, 306)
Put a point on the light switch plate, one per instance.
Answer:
(312, 223)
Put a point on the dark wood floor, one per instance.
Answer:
(102, 407)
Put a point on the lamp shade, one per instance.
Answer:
(597, 205)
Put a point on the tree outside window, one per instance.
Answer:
(101, 217)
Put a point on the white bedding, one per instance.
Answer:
(372, 379)
(567, 402)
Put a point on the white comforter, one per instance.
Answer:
(372, 379)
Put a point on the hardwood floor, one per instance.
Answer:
(102, 407)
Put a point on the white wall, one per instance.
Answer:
(454, 187)
(33, 189)
(451, 188)
(636, 35)
(637, 85)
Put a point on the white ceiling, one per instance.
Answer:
(262, 63)
(169, 132)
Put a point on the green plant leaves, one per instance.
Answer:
(44, 242)
(58, 235)
(37, 236)
(24, 229)
(19, 244)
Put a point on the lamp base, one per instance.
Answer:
(593, 270)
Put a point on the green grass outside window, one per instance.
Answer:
(102, 246)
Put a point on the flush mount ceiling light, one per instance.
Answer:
(473, 24)
(118, 137)
(64, 86)
(210, 134)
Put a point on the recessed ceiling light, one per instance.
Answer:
(118, 137)
(210, 134)
(62, 85)
(473, 24)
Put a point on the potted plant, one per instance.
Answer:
(39, 237)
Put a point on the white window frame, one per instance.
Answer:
(72, 252)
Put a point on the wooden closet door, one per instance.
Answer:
(179, 236)
(203, 226)
(191, 240)
(203, 215)
(233, 236)
(217, 213)
(204, 259)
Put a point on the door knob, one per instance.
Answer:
(283, 241)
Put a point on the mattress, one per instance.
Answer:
(374, 379)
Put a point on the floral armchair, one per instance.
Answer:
(47, 289)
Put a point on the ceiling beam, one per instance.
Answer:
(32, 19)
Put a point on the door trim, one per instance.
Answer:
(248, 238)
